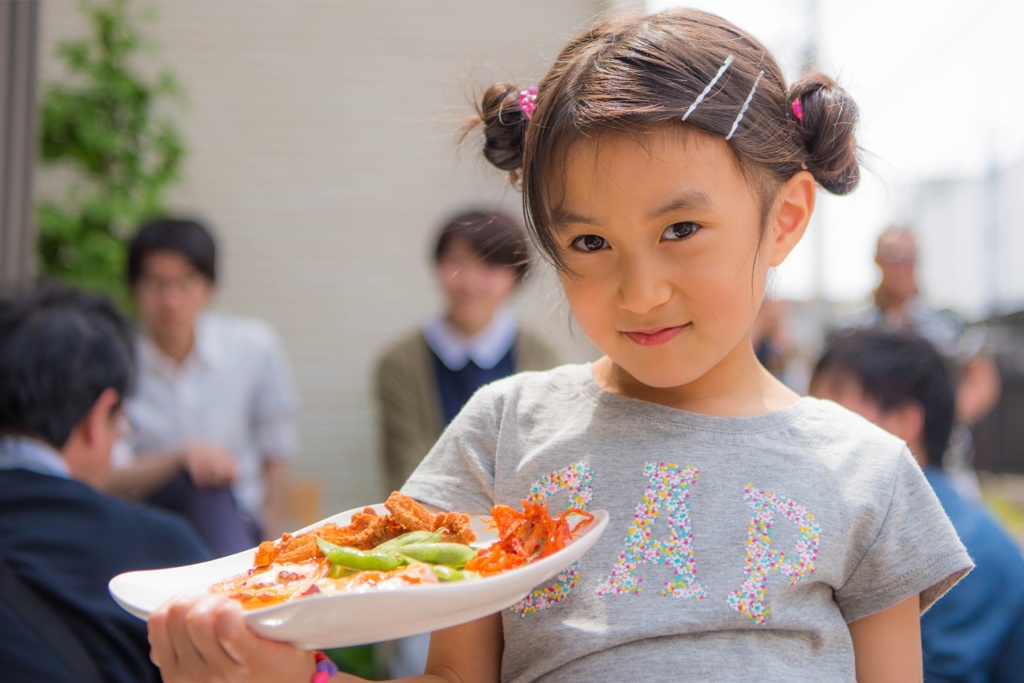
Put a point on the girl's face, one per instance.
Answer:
(666, 266)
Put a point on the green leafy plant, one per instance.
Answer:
(360, 660)
(107, 125)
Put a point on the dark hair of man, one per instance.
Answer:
(495, 237)
(188, 238)
(60, 348)
(896, 368)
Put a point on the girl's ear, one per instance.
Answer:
(793, 211)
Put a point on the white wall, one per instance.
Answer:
(969, 231)
(322, 150)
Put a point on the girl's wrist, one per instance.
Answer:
(325, 668)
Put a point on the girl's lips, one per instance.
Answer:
(655, 337)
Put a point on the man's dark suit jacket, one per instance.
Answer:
(67, 541)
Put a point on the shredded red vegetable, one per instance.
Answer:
(524, 536)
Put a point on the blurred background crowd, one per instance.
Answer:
(311, 151)
(318, 142)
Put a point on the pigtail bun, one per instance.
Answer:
(826, 117)
(504, 126)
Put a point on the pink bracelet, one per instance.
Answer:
(325, 668)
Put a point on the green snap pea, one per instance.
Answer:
(359, 559)
(445, 573)
(338, 571)
(451, 554)
(410, 537)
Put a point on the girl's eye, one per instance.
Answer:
(589, 243)
(680, 231)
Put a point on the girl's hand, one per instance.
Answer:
(205, 640)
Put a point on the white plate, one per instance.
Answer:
(324, 621)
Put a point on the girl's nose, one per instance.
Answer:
(642, 285)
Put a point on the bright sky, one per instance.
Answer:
(941, 94)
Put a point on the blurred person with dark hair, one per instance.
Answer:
(424, 379)
(66, 366)
(903, 384)
(897, 305)
(214, 410)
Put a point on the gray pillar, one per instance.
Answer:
(19, 31)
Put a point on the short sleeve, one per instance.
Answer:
(916, 551)
(274, 403)
(458, 472)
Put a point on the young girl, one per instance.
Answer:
(665, 167)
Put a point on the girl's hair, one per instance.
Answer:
(627, 75)
(494, 236)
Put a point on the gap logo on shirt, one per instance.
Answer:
(668, 491)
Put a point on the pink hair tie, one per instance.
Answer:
(798, 109)
(528, 101)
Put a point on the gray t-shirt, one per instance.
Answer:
(737, 547)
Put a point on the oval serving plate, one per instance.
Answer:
(343, 619)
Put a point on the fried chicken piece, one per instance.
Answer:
(409, 513)
(289, 549)
(455, 526)
(366, 530)
(267, 551)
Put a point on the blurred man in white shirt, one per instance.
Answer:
(213, 415)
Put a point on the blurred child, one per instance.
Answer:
(902, 383)
(424, 379)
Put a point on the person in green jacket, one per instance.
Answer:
(426, 377)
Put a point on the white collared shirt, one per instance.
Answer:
(23, 452)
(485, 349)
(234, 390)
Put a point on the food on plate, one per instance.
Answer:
(367, 530)
(524, 536)
(407, 546)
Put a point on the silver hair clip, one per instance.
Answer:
(700, 98)
(743, 109)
